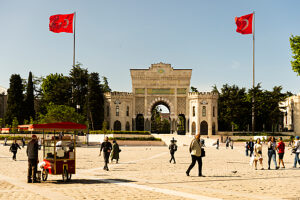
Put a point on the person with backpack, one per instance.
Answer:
(14, 149)
(115, 153)
(173, 149)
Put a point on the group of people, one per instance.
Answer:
(273, 147)
(109, 150)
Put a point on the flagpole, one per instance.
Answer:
(253, 97)
(74, 40)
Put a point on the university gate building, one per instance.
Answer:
(162, 85)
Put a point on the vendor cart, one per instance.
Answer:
(59, 152)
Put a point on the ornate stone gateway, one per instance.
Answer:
(161, 84)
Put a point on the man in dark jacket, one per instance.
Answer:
(251, 147)
(14, 149)
(106, 147)
(32, 153)
(172, 148)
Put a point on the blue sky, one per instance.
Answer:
(114, 36)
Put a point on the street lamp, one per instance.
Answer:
(77, 107)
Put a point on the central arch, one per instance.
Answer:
(160, 117)
(160, 100)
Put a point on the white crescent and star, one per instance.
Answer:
(247, 24)
(67, 21)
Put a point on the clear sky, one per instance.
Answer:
(114, 36)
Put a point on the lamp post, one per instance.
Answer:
(77, 107)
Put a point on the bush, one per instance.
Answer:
(9, 137)
(121, 132)
(259, 134)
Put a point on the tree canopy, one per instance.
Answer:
(295, 47)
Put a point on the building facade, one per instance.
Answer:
(291, 109)
(162, 85)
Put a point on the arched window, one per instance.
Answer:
(203, 128)
(127, 111)
(203, 111)
(194, 112)
(213, 111)
(117, 125)
(117, 110)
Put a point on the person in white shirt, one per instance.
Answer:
(258, 154)
(297, 151)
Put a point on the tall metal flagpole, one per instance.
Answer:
(253, 97)
(74, 40)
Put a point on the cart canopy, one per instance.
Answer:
(59, 126)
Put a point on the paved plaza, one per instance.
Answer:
(145, 173)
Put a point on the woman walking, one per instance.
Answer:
(258, 154)
(280, 147)
(195, 151)
(272, 152)
(115, 151)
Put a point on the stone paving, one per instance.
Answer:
(145, 173)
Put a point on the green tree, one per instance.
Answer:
(56, 89)
(105, 86)
(15, 99)
(295, 46)
(95, 102)
(29, 98)
(193, 89)
(61, 113)
(79, 85)
(14, 126)
(1, 122)
(165, 126)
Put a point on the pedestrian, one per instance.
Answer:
(40, 143)
(258, 154)
(291, 142)
(23, 142)
(14, 149)
(296, 149)
(5, 141)
(173, 149)
(32, 153)
(115, 151)
(280, 148)
(106, 147)
(218, 144)
(272, 151)
(247, 148)
(231, 143)
(227, 142)
(195, 151)
(251, 146)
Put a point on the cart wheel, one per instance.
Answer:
(44, 175)
(65, 175)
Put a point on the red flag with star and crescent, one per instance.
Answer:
(244, 24)
(61, 23)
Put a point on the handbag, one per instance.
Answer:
(202, 152)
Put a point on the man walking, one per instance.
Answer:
(32, 153)
(106, 147)
(14, 149)
(195, 151)
(172, 148)
(251, 146)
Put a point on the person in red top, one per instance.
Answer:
(280, 148)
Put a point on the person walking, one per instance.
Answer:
(251, 146)
(297, 151)
(247, 148)
(106, 147)
(173, 149)
(195, 151)
(280, 148)
(258, 154)
(272, 152)
(231, 143)
(218, 144)
(115, 151)
(14, 149)
(32, 153)
(227, 142)
(23, 142)
(5, 141)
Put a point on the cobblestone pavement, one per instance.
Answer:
(145, 173)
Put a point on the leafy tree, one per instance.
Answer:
(29, 98)
(15, 124)
(79, 86)
(95, 102)
(1, 122)
(15, 106)
(193, 89)
(105, 86)
(295, 46)
(165, 126)
(61, 113)
(56, 89)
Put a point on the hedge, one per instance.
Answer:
(260, 134)
(135, 138)
(121, 132)
(2, 137)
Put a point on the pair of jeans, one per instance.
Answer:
(251, 152)
(272, 154)
(296, 159)
(199, 160)
(32, 168)
(106, 159)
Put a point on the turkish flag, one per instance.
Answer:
(244, 24)
(61, 23)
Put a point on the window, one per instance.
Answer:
(194, 111)
(127, 111)
(117, 110)
(203, 111)
(107, 110)
(213, 111)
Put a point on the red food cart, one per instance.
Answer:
(59, 152)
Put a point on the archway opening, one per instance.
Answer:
(139, 122)
(160, 118)
(127, 127)
(181, 127)
(204, 128)
(117, 125)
